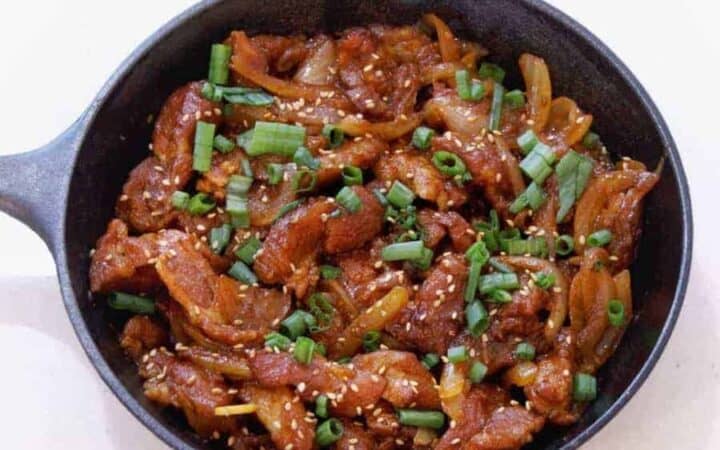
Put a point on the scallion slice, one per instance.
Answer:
(478, 371)
(219, 61)
(573, 172)
(600, 238)
(525, 351)
(457, 354)
(425, 261)
(321, 406)
(200, 204)
(494, 281)
(276, 340)
(473, 281)
(492, 71)
(349, 199)
(330, 272)
(223, 144)
(334, 135)
(303, 157)
(477, 318)
(527, 141)
(132, 303)
(535, 167)
(448, 163)
(371, 341)
(204, 140)
(180, 200)
(287, 208)
(496, 107)
(304, 349)
(246, 253)
(422, 136)
(544, 280)
(467, 89)
(514, 99)
(275, 173)
(403, 251)
(590, 140)
(564, 245)
(500, 296)
(616, 313)
(400, 195)
(250, 98)
(304, 180)
(237, 207)
(430, 360)
(352, 176)
(422, 419)
(238, 185)
(241, 272)
(275, 138)
(584, 387)
(220, 237)
(297, 324)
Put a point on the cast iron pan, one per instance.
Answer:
(66, 190)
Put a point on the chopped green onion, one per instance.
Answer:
(573, 172)
(600, 238)
(466, 88)
(241, 272)
(420, 418)
(400, 195)
(527, 141)
(425, 261)
(584, 387)
(499, 296)
(132, 303)
(286, 208)
(297, 324)
(478, 371)
(499, 266)
(200, 204)
(303, 157)
(211, 92)
(275, 173)
(405, 218)
(220, 237)
(321, 406)
(564, 245)
(219, 61)
(334, 135)
(349, 199)
(249, 249)
(421, 137)
(457, 354)
(344, 360)
(507, 236)
(590, 140)
(473, 281)
(544, 280)
(494, 281)
(330, 272)
(493, 71)
(478, 252)
(204, 139)
(180, 200)
(304, 349)
(247, 168)
(534, 246)
(352, 176)
(275, 138)
(304, 180)
(243, 140)
(448, 163)
(380, 197)
(514, 99)
(238, 185)
(546, 152)
(535, 195)
(616, 313)
(323, 311)
(237, 207)
(276, 340)
(496, 107)
(403, 251)
(250, 98)
(223, 144)
(525, 351)
(371, 341)
(329, 432)
(477, 318)
(430, 360)
(535, 167)
(520, 203)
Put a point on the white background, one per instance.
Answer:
(55, 55)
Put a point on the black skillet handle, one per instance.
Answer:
(33, 185)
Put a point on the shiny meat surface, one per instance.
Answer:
(390, 250)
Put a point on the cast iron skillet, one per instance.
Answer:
(66, 190)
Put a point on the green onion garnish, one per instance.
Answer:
(371, 341)
(220, 237)
(276, 340)
(457, 354)
(352, 176)
(600, 238)
(466, 88)
(493, 71)
(297, 324)
(247, 168)
(200, 204)
(527, 141)
(430, 360)
(286, 208)
(564, 245)
(525, 351)
(424, 261)
(584, 387)
(477, 318)
(478, 252)
(243, 139)
(304, 180)
(321, 406)
(241, 272)
(275, 138)
(249, 249)
(219, 60)
(419, 418)
(330, 272)
(616, 313)
(275, 173)
(211, 92)
(590, 140)
(253, 97)
(544, 280)
(448, 163)
(204, 140)
(533, 196)
(303, 157)
(223, 144)
(421, 137)
(496, 107)
(499, 296)
(478, 371)
(534, 246)
(573, 172)
(238, 185)
(403, 251)
(535, 167)
(494, 281)
(132, 303)
(334, 135)
(349, 199)
(499, 266)
(514, 99)
(473, 281)
(237, 207)
(180, 200)
(304, 349)
(400, 195)
(329, 432)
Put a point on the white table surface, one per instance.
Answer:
(55, 56)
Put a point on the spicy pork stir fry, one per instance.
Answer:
(365, 240)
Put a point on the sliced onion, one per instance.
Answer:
(317, 70)
(538, 89)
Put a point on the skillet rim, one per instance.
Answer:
(83, 125)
